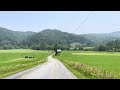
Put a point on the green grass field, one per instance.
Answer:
(92, 64)
(13, 61)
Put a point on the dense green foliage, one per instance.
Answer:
(102, 38)
(12, 39)
(113, 46)
(45, 39)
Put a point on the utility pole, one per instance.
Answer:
(55, 49)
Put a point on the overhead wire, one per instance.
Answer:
(83, 22)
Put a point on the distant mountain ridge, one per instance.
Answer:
(102, 37)
(47, 37)
(15, 35)
(52, 37)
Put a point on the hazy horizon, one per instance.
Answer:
(66, 21)
(59, 30)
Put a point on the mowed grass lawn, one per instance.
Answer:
(92, 64)
(13, 61)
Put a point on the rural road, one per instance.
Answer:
(53, 69)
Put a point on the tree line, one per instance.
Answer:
(47, 39)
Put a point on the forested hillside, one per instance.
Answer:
(45, 39)
(102, 38)
(12, 39)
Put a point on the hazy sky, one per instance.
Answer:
(67, 21)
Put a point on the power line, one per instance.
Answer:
(83, 22)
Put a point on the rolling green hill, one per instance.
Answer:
(103, 37)
(52, 37)
(13, 36)
(48, 38)
(12, 39)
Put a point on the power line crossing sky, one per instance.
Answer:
(67, 21)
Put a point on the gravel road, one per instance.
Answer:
(53, 69)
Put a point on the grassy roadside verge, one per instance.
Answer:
(75, 72)
(12, 69)
(83, 71)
